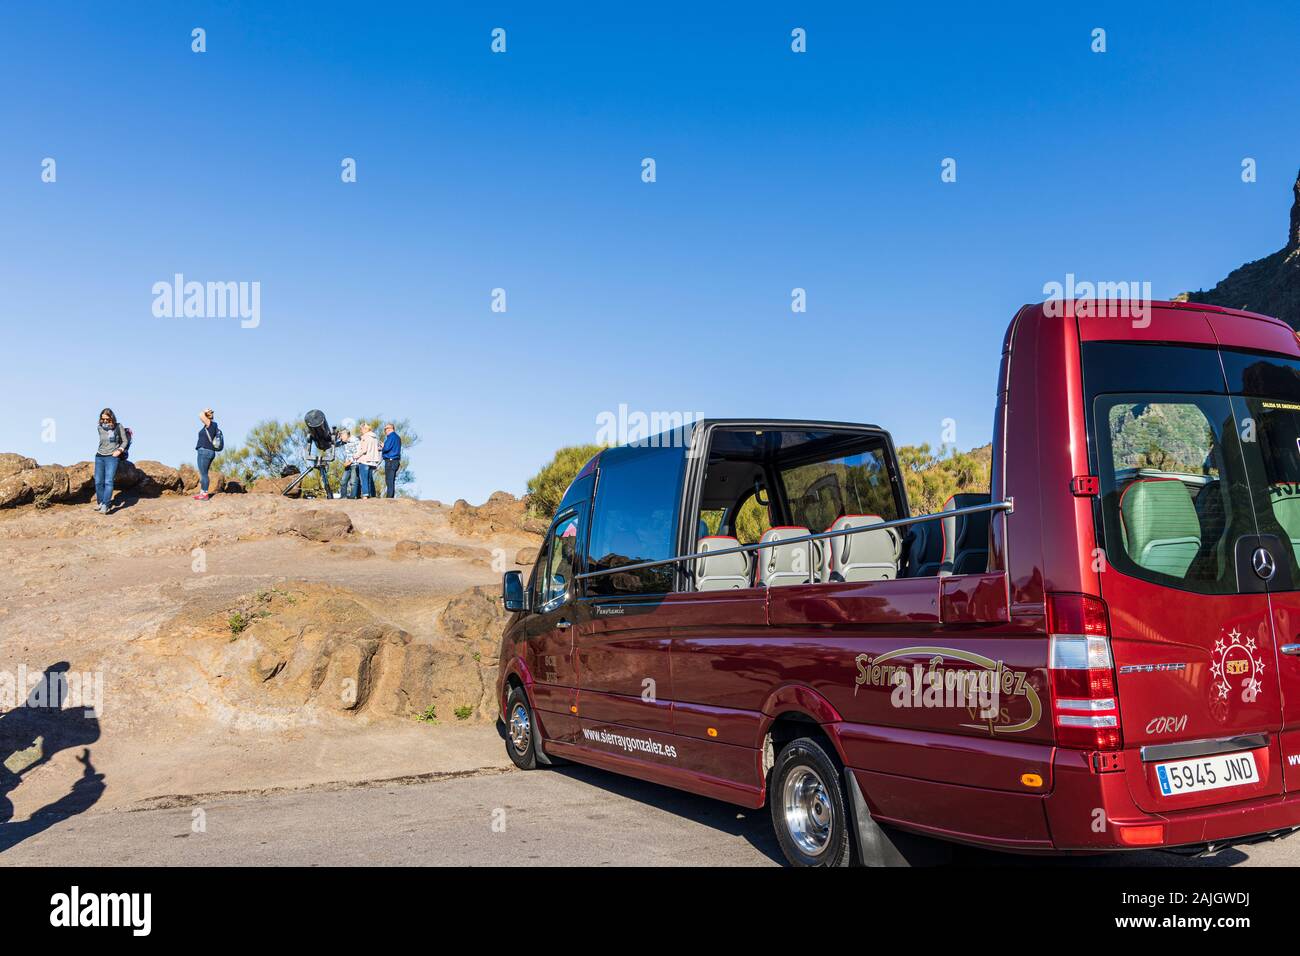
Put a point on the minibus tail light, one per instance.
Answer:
(1084, 706)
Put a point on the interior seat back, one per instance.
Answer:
(925, 549)
(721, 572)
(1161, 529)
(965, 537)
(865, 556)
(779, 564)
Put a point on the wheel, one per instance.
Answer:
(520, 739)
(809, 812)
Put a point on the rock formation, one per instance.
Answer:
(1270, 285)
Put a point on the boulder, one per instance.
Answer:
(274, 486)
(43, 485)
(502, 513)
(525, 557)
(407, 548)
(128, 475)
(217, 482)
(157, 478)
(48, 483)
(81, 481)
(476, 616)
(321, 524)
(11, 464)
(14, 491)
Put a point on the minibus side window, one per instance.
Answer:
(638, 497)
(559, 562)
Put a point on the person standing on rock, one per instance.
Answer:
(113, 444)
(350, 485)
(392, 459)
(368, 459)
(207, 447)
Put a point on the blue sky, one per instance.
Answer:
(522, 171)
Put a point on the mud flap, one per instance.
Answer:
(886, 846)
(538, 751)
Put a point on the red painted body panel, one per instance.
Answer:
(725, 665)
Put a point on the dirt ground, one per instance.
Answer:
(219, 635)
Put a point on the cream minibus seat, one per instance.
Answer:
(779, 565)
(865, 556)
(723, 572)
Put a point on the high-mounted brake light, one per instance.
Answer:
(1082, 673)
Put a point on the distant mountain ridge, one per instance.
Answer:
(1270, 285)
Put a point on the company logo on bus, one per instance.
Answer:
(1236, 668)
(995, 698)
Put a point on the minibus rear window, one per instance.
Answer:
(1272, 376)
(1171, 491)
(821, 492)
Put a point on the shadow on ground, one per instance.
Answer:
(30, 735)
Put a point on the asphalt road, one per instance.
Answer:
(570, 816)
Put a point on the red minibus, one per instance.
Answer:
(1100, 653)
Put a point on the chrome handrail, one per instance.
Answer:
(1009, 506)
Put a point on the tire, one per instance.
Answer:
(809, 810)
(521, 741)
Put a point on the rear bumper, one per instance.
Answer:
(1089, 811)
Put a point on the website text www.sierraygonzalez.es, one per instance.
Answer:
(630, 744)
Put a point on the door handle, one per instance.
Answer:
(563, 625)
(1292, 649)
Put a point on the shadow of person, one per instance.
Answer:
(85, 792)
(30, 735)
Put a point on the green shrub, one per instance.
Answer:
(429, 715)
(464, 713)
(547, 487)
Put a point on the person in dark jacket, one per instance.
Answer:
(392, 453)
(205, 450)
(113, 444)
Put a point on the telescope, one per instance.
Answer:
(319, 452)
(318, 431)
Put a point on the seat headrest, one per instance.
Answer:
(1160, 524)
(723, 571)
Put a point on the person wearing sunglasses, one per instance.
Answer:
(113, 444)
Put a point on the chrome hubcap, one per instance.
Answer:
(520, 729)
(807, 808)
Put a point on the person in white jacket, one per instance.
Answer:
(367, 460)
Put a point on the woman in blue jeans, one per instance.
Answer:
(113, 444)
(206, 450)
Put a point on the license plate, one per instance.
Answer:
(1206, 773)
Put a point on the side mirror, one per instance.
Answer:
(512, 591)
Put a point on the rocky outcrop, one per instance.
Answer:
(1270, 285)
(11, 464)
(217, 482)
(310, 645)
(502, 513)
(275, 486)
(25, 482)
(321, 524)
(439, 549)
(157, 478)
